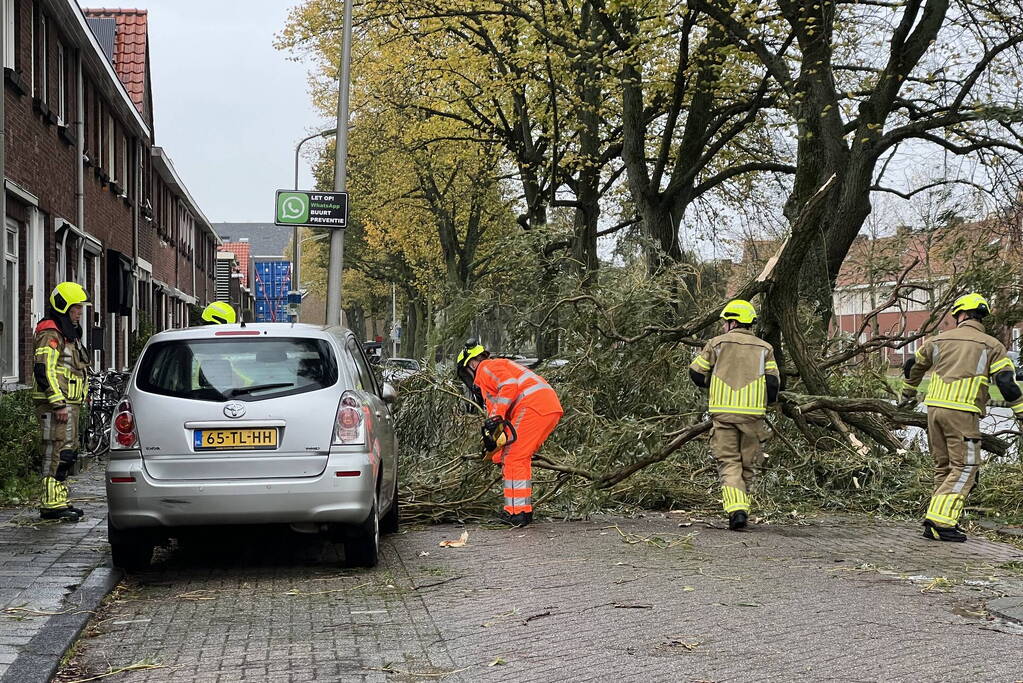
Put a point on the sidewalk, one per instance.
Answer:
(41, 565)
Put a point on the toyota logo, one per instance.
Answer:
(234, 409)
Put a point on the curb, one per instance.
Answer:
(39, 660)
(1010, 609)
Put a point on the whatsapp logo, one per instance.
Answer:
(292, 207)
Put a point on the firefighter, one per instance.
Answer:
(739, 369)
(522, 411)
(219, 313)
(61, 382)
(962, 363)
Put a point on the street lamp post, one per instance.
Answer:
(296, 256)
(337, 237)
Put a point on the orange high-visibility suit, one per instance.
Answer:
(524, 399)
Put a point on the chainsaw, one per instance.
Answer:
(497, 432)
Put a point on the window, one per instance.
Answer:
(111, 160)
(44, 58)
(61, 84)
(125, 172)
(9, 305)
(10, 35)
(247, 369)
(363, 377)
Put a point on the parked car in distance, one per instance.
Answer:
(259, 424)
(398, 369)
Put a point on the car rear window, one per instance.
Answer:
(239, 369)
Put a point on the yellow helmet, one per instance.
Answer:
(739, 311)
(67, 294)
(971, 302)
(472, 349)
(219, 313)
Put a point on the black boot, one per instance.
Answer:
(519, 519)
(737, 520)
(934, 532)
(78, 511)
(58, 514)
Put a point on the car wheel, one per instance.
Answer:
(389, 524)
(130, 550)
(362, 548)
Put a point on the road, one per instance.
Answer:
(637, 599)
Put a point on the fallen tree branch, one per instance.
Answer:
(908, 418)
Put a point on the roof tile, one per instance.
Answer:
(130, 49)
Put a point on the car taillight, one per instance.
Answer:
(350, 423)
(124, 432)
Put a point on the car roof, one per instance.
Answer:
(265, 330)
(397, 358)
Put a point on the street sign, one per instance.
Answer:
(312, 209)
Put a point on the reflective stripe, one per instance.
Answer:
(491, 373)
(733, 499)
(701, 362)
(518, 483)
(771, 365)
(919, 355)
(535, 388)
(982, 363)
(763, 361)
(970, 463)
(960, 394)
(1018, 409)
(518, 501)
(506, 382)
(946, 509)
(748, 400)
(500, 400)
(1003, 364)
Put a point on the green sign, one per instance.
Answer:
(312, 209)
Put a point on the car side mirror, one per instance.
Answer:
(388, 393)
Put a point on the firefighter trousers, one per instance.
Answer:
(738, 448)
(515, 459)
(954, 439)
(60, 451)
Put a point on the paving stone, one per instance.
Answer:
(41, 563)
(834, 598)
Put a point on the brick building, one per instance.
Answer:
(89, 198)
(927, 261)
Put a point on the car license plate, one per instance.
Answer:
(248, 439)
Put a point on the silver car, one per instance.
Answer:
(260, 424)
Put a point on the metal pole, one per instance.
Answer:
(296, 256)
(394, 320)
(337, 236)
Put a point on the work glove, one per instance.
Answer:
(908, 400)
(492, 437)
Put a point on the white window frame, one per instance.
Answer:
(10, 35)
(61, 85)
(12, 336)
(111, 149)
(124, 164)
(44, 62)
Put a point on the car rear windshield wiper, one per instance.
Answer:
(259, 387)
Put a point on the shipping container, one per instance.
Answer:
(273, 280)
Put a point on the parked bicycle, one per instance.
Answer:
(105, 392)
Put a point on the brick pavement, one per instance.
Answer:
(847, 598)
(41, 563)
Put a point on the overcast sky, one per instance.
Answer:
(229, 107)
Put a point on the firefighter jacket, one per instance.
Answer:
(61, 367)
(507, 386)
(738, 364)
(962, 363)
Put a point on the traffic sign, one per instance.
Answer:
(312, 209)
